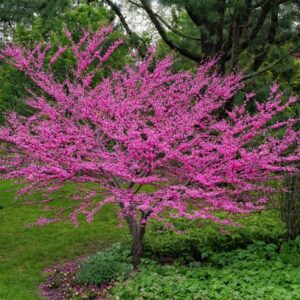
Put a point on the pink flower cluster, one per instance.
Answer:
(152, 138)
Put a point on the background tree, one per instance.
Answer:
(149, 137)
(14, 12)
(229, 28)
(256, 37)
(52, 30)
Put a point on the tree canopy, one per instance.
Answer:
(150, 138)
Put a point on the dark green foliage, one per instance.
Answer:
(197, 239)
(77, 20)
(106, 266)
(17, 11)
(254, 252)
(254, 273)
(233, 28)
(12, 91)
(258, 38)
(290, 252)
(14, 84)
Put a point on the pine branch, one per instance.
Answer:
(259, 59)
(182, 50)
(261, 19)
(130, 33)
(270, 66)
(118, 12)
(170, 27)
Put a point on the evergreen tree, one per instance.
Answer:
(255, 37)
(14, 12)
(245, 34)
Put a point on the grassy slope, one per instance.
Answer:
(26, 252)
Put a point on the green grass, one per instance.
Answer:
(26, 252)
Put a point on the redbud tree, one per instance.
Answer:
(145, 126)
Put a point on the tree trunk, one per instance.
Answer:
(138, 232)
(290, 207)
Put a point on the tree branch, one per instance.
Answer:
(175, 30)
(261, 19)
(117, 11)
(270, 66)
(122, 19)
(270, 38)
(162, 20)
(164, 36)
(235, 43)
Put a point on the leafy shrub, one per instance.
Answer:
(253, 273)
(106, 266)
(290, 252)
(198, 239)
(253, 253)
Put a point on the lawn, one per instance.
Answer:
(25, 252)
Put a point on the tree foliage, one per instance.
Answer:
(14, 12)
(44, 30)
(245, 34)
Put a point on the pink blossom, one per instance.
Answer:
(60, 51)
(149, 137)
(45, 221)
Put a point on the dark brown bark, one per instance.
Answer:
(265, 9)
(271, 65)
(164, 22)
(141, 47)
(259, 59)
(220, 26)
(290, 206)
(209, 47)
(138, 232)
(225, 40)
(117, 11)
(235, 43)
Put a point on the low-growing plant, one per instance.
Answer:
(194, 240)
(106, 266)
(257, 272)
(255, 252)
(290, 252)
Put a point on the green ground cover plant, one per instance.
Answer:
(106, 266)
(257, 272)
(190, 240)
